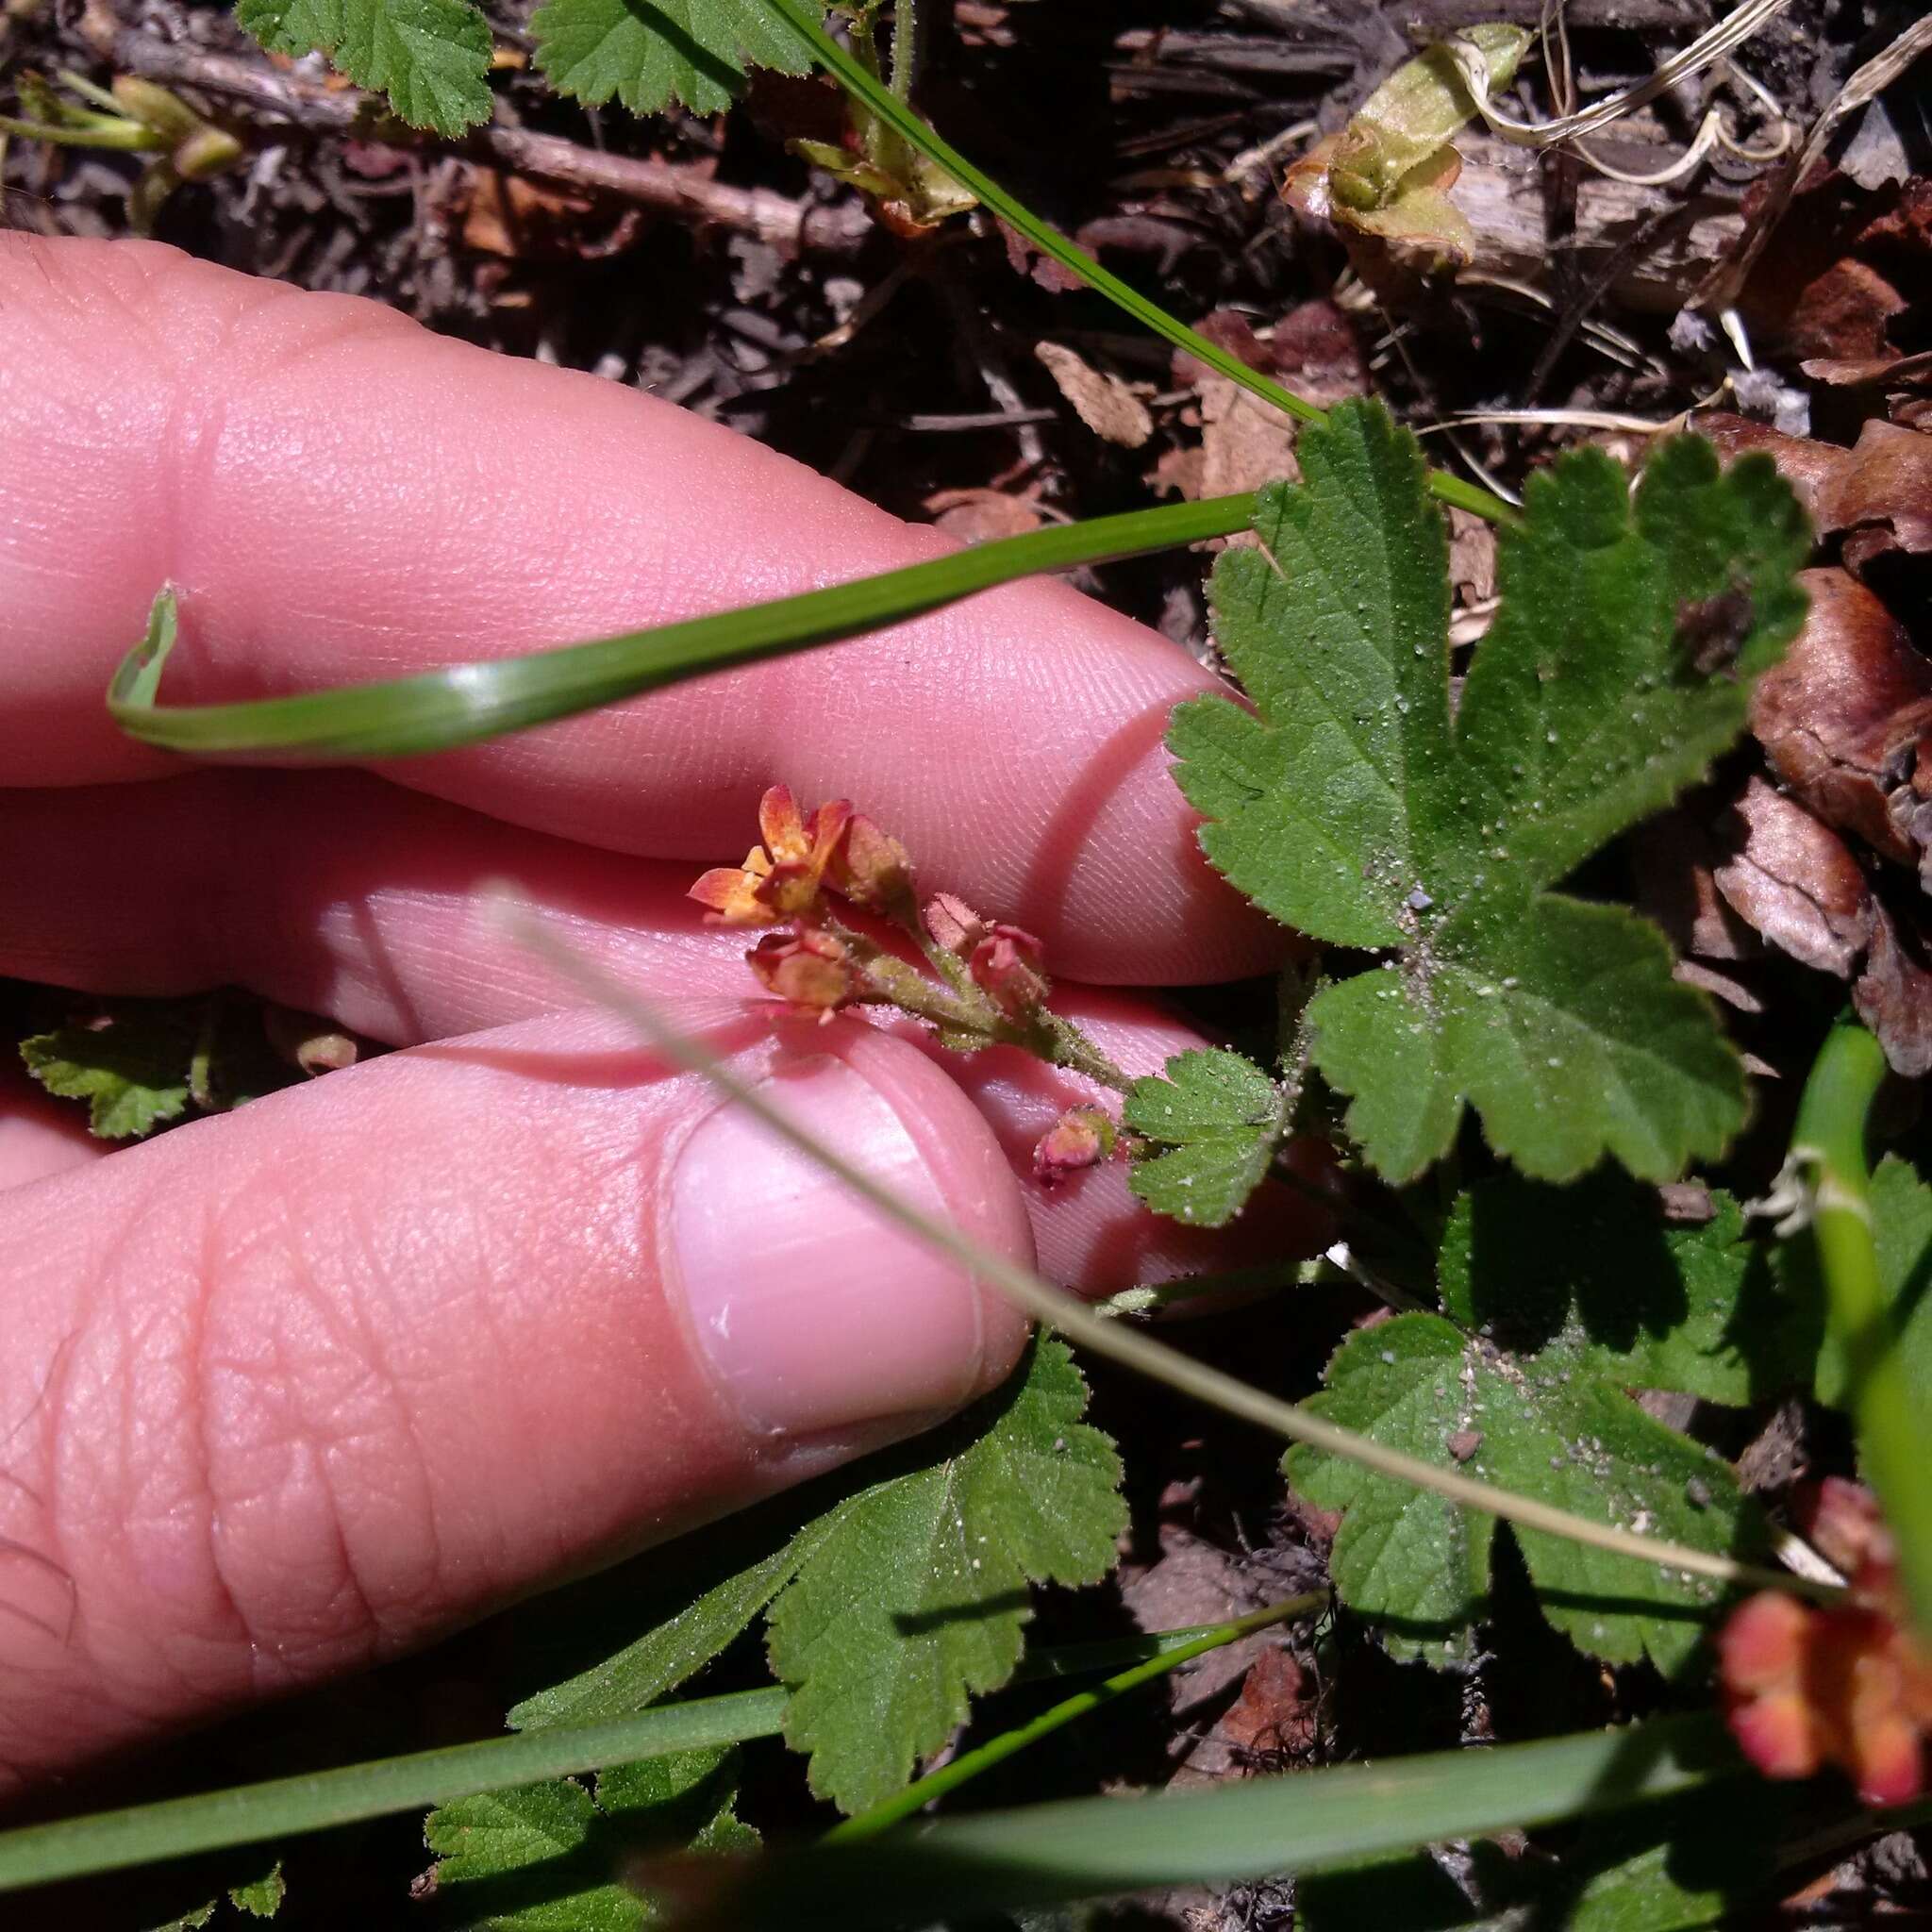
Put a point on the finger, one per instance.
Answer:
(341, 495)
(39, 1134)
(288, 1392)
(340, 894)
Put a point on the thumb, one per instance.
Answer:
(288, 1393)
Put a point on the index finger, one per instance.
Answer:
(340, 495)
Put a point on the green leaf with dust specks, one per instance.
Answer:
(541, 1858)
(1560, 1302)
(915, 1599)
(894, 1591)
(431, 58)
(651, 54)
(1352, 804)
(1217, 1117)
(1641, 1300)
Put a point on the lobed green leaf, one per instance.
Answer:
(1220, 1117)
(652, 55)
(431, 58)
(1352, 805)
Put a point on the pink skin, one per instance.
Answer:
(292, 1389)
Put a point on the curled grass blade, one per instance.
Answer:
(462, 704)
(1263, 1826)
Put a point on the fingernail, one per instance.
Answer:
(813, 1312)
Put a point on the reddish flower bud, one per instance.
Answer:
(871, 868)
(1006, 966)
(1842, 1519)
(1083, 1137)
(809, 968)
(954, 926)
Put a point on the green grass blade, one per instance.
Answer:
(464, 703)
(1828, 1141)
(251, 1814)
(852, 74)
(949, 1777)
(1095, 1847)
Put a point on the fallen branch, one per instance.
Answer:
(793, 227)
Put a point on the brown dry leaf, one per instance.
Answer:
(1893, 996)
(520, 220)
(1882, 496)
(1842, 718)
(979, 516)
(1316, 352)
(1276, 1714)
(1827, 285)
(1244, 442)
(1795, 881)
(1103, 402)
(1674, 857)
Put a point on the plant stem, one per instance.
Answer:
(921, 1791)
(463, 704)
(1830, 1140)
(851, 74)
(1123, 1342)
(905, 47)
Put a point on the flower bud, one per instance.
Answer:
(872, 867)
(1007, 965)
(953, 924)
(1083, 1137)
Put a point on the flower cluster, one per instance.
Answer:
(977, 982)
(784, 880)
(1842, 1684)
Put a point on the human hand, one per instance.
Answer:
(294, 1389)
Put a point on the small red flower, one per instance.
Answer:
(809, 968)
(1007, 966)
(1083, 1137)
(782, 878)
(1844, 1684)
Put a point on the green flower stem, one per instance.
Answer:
(1118, 1341)
(921, 1791)
(250, 1814)
(463, 704)
(1828, 1141)
(851, 74)
(1064, 1046)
